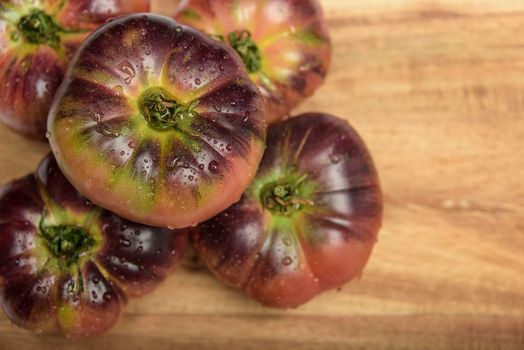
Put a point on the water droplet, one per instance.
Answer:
(141, 267)
(132, 144)
(198, 81)
(213, 167)
(94, 295)
(221, 67)
(129, 71)
(233, 104)
(218, 109)
(287, 260)
(335, 158)
(107, 296)
(201, 68)
(96, 280)
(125, 242)
(119, 90)
(17, 262)
(191, 178)
(186, 165)
(137, 232)
(201, 166)
(139, 249)
(229, 147)
(287, 241)
(158, 251)
(122, 153)
(178, 29)
(246, 118)
(48, 134)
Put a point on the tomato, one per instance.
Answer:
(37, 39)
(69, 266)
(308, 222)
(157, 122)
(284, 44)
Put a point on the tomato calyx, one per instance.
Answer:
(39, 28)
(163, 112)
(66, 242)
(244, 45)
(285, 197)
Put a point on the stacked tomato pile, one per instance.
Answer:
(159, 132)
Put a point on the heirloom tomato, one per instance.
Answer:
(157, 122)
(284, 44)
(69, 266)
(37, 39)
(308, 222)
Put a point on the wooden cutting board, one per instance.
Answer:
(436, 88)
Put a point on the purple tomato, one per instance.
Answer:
(284, 44)
(68, 266)
(157, 122)
(309, 221)
(37, 40)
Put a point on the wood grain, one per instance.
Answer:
(437, 90)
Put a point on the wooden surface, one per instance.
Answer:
(437, 90)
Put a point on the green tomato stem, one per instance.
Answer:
(244, 45)
(38, 27)
(162, 112)
(285, 197)
(66, 242)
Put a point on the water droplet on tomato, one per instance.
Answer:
(94, 295)
(119, 90)
(107, 296)
(201, 166)
(96, 280)
(125, 242)
(158, 251)
(129, 71)
(198, 81)
(287, 261)
(335, 158)
(132, 144)
(221, 67)
(191, 178)
(213, 167)
(48, 134)
(287, 241)
(178, 29)
(122, 153)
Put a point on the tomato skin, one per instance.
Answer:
(292, 37)
(31, 73)
(285, 260)
(42, 292)
(175, 177)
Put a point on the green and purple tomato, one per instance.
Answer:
(68, 266)
(284, 44)
(37, 40)
(309, 221)
(157, 122)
